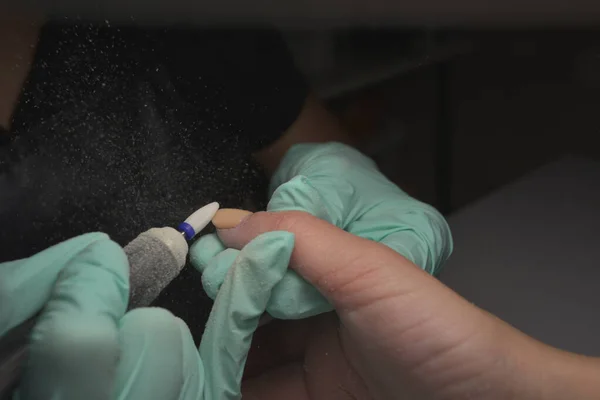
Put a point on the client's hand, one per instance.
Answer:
(397, 333)
(338, 184)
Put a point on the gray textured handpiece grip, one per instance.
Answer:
(156, 257)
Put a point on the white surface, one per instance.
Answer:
(201, 217)
(530, 253)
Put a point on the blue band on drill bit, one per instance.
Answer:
(188, 231)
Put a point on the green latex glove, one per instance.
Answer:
(85, 345)
(338, 184)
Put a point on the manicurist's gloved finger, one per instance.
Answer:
(213, 260)
(206, 247)
(340, 185)
(292, 298)
(302, 194)
(26, 285)
(158, 359)
(216, 271)
(422, 235)
(74, 349)
(241, 301)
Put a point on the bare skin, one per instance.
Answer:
(315, 124)
(399, 333)
(18, 39)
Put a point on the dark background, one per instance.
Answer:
(477, 109)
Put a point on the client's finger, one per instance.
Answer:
(395, 316)
(380, 295)
(344, 267)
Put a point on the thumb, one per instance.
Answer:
(351, 272)
(395, 317)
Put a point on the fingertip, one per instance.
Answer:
(216, 270)
(96, 280)
(423, 236)
(159, 359)
(146, 320)
(204, 250)
(90, 294)
(83, 240)
(38, 275)
(298, 194)
(107, 252)
(74, 356)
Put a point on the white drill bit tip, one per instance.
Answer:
(198, 220)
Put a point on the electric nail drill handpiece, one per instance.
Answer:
(155, 257)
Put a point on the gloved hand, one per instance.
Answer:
(342, 186)
(85, 345)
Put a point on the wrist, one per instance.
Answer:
(503, 363)
(538, 371)
(569, 376)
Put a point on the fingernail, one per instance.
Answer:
(227, 218)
